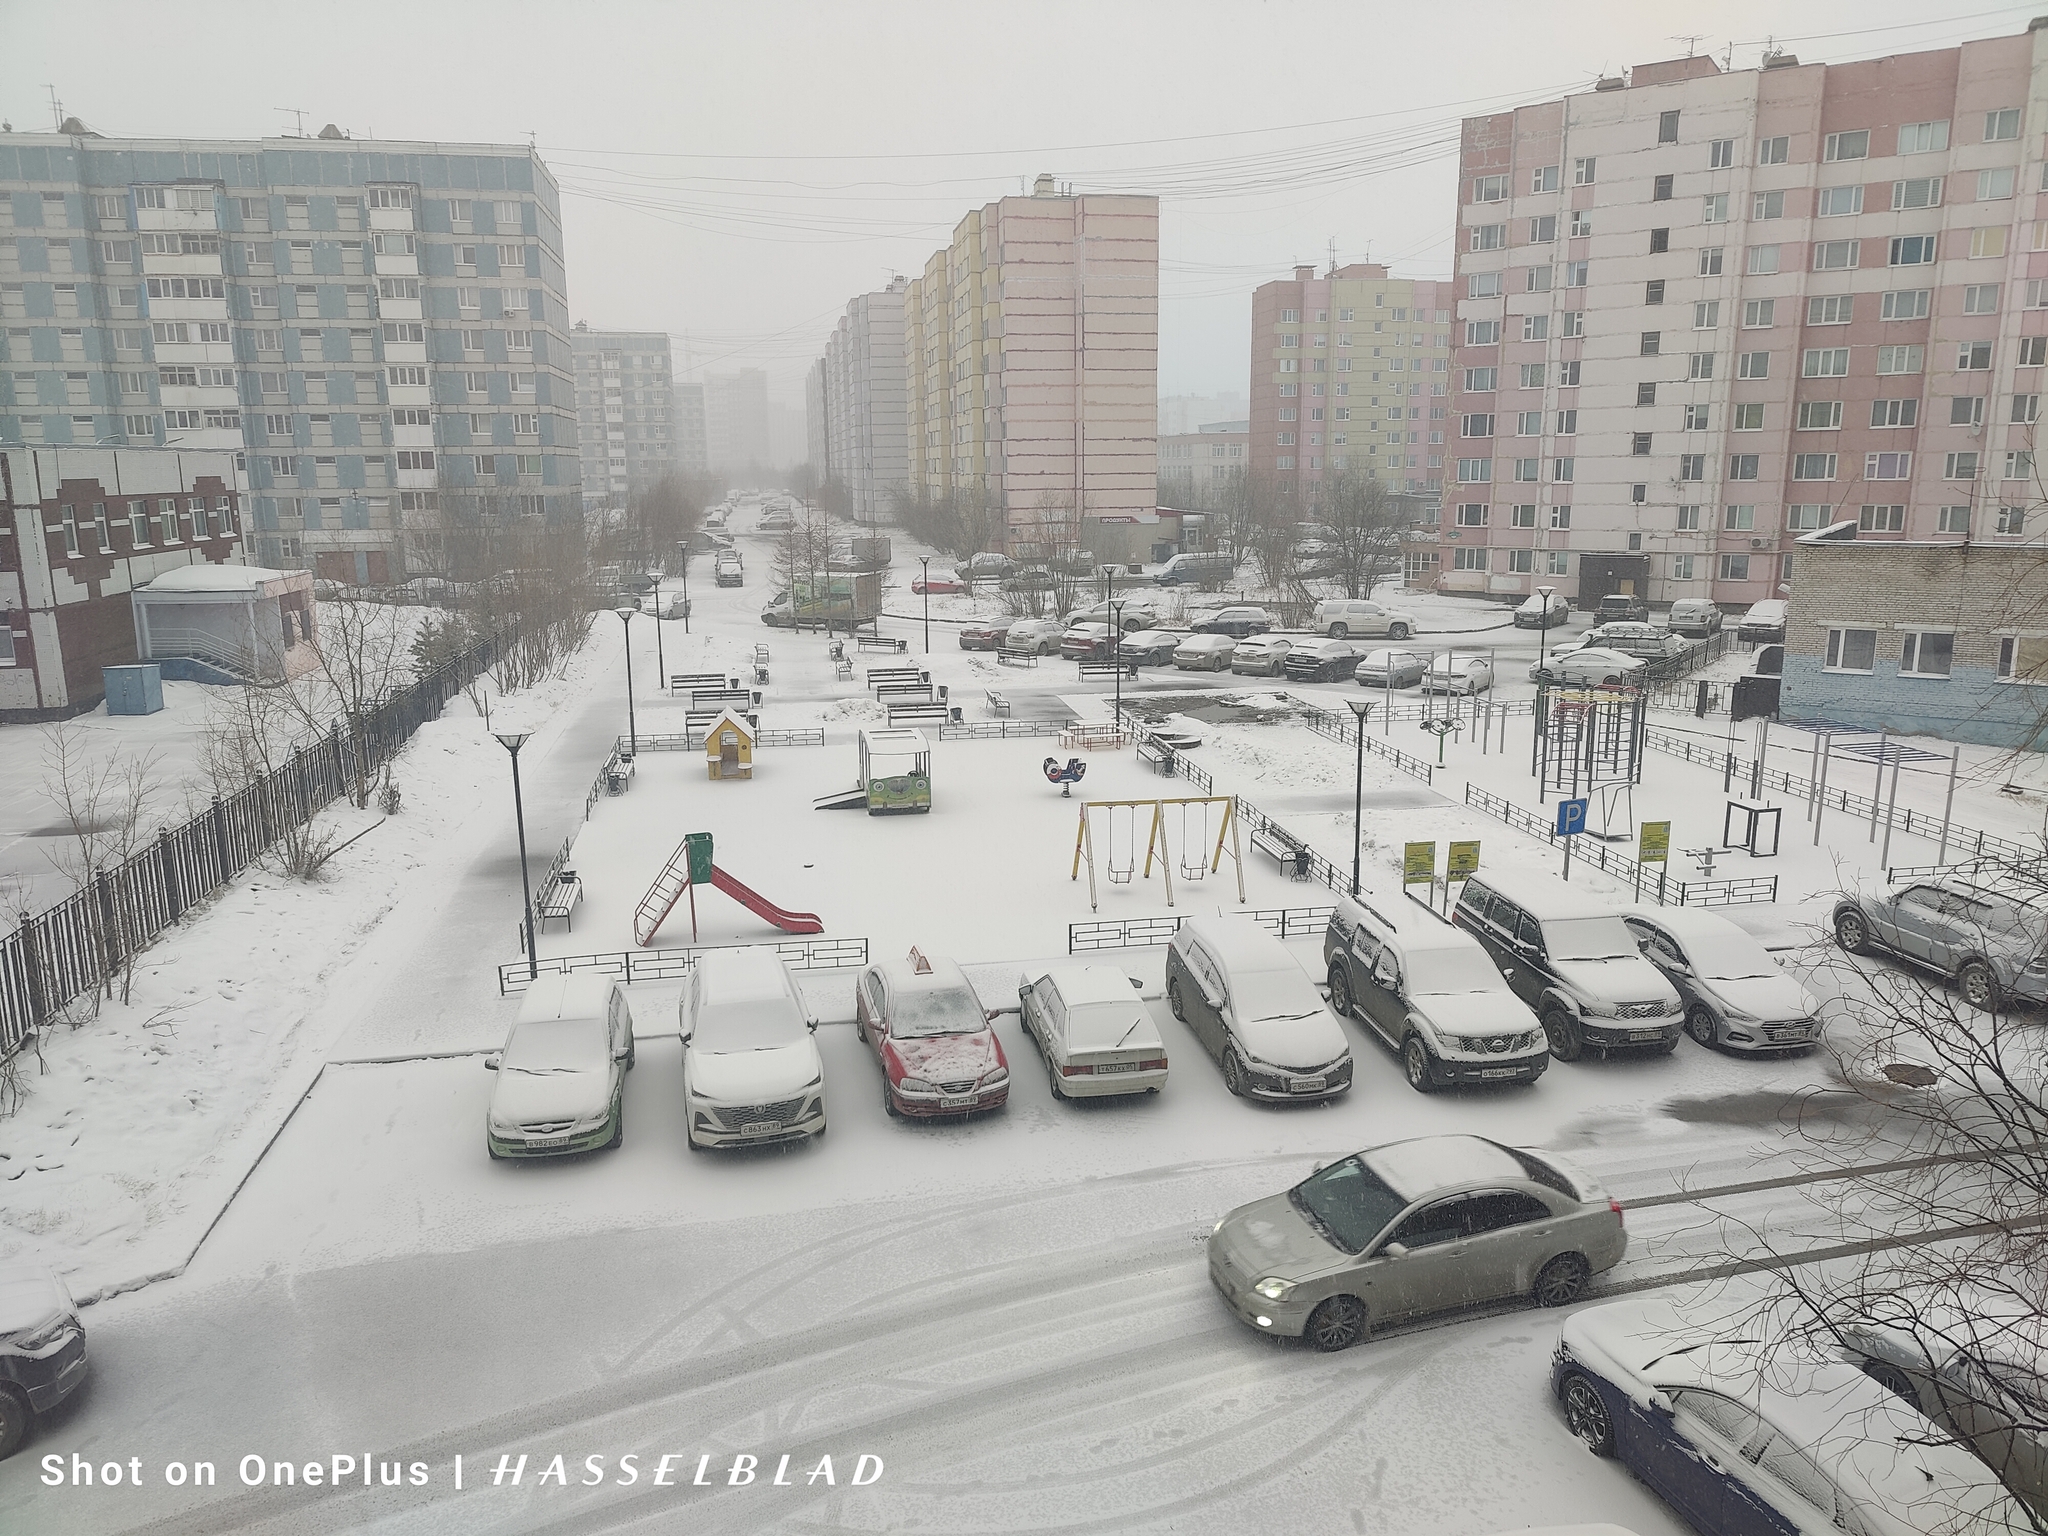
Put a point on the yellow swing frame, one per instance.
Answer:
(1227, 830)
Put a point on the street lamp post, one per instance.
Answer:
(625, 612)
(1543, 633)
(660, 659)
(1360, 708)
(925, 586)
(512, 741)
(1116, 654)
(1542, 671)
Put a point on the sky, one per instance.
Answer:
(734, 173)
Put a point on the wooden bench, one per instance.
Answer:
(1156, 755)
(1009, 658)
(911, 691)
(997, 704)
(557, 900)
(902, 674)
(698, 720)
(1107, 668)
(881, 643)
(738, 700)
(1094, 734)
(1292, 855)
(931, 713)
(690, 682)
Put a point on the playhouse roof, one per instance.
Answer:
(737, 722)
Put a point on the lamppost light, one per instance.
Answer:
(512, 741)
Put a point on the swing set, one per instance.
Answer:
(1198, 857)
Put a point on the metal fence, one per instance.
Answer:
(87, 939)
(1149, 932)
(671, 964)
(996, 730)
(691, 741)
(1325, 722)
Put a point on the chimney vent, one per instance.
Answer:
(1304, 274)
(1042, 187)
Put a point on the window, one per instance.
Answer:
(1472, 514)
(1660, 240)
(1763, 260)
(1489, 237)
(1691, 466)
(1681, 567)
(1994, 183)
(1567, 423)
(1543, 231)
(1973, 356)
(1953, 520)
(1535, 327)
(2023, 659)
(2026, 409)
(1881, 519)
(1743, 466)
(1696, 417)
(1813, 466)
(1476, 426)
(1479, 381)
(1710, 261)
(1768, 205)
(1920, 192)
(1912, 250)
(1901, 359)
(1573, 323)
(1830, 309)
(1667, 127)
(1649, 343)
(2010, 520)
(1538, 280)
(415, 459)
(1748, 418)
(1773, 151)
(1960, 466)
(1582, 222)
(1468, 559)
(1660, 189)
(1639, 445)
(1887, 466)
(2019, 464)
(1837, 255)
(1543, 179)
(1568, 373)
(1646, 393)
(2001, 125)
(1482, 333)
(1532, 375)
(1575, 273)
(1922, 138)
(1582, 172)
(1489, 189)
(1556, 561)
(1560, 517)
(1475, 471)
(1824, 363)
(1988, 241)
(1807, 517)
(1738, 519)
(1851, 650)
(1523, 516)
(1820, 415)
(1689, 519)
(1905, 304)
(1847, 146)
(1895, 413)
(1735, 567)
(2033, 351)
(1837, 201)
(1720, 154)
(1701, 365)
(1980, 299)
(1706, 314)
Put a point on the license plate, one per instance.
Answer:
(1646, 1034)
(1117, 1066)
(547, 1141)
(1500, 1072)
(964, 1101)
(1306, 1084)
(760, 1127)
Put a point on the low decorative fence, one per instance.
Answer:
(671, 964)
(1326, 722)
(1149, 932)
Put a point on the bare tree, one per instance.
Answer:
(108, 809)
(1361, 523)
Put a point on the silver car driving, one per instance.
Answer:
(1410, 1228)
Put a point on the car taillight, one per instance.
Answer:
(1614, 1205)
(1074, 1071)
(1156, 1064)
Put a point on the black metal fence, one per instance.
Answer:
(673, 964)
(1146, 932)
(87, 939)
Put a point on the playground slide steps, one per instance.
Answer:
(855, 799)
(668, 888)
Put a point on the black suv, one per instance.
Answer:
(1622, 605)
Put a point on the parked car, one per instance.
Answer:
(1695, 617)
(1985, 932)
(1633, 639)
(984, 635)
(1094, 1031)
(1086, 642)
(1196, 567)
(1322, 661)
(1586, 666)
(752, 1074)
(1032, 578)
(1741, 1430)
(561, 1084)
(42, 1350)
(1622, 607)
(1130, 614)
(1534, 608)
(728, 572)
(1458, 672)
(1151, 647)
(1430, 992)
(1390, 669)
(936, 585)
(1574, 961)
(928, 1030)
(1428, 1225)
(1341, 616)
(1236, 622)
(1204, 653)
(1255, 1011)
(776, 522)
(1261, 655)
(987, 566)
(1040, 637)
(1764, 623)
(1735, 994)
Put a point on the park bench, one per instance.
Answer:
(1094, 734)
(897, 675)
(738, 700)
(842, 670)
(1289, 852)
(558, 899)
(1016, 658)
(1156, 755)
(699, 720)
(1107, 669)
(689, 682)
(997, 704)
(906, 693)
(881, 643)
(921, 713)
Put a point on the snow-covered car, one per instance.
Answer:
(1539, 612)
(1130, 614)
(1743, 1429)
(936, 585)
(1428, 990)
(1204, 653)
(776, 522)
(1390, 669)
(728, 572)
(1586, 666)
(1458, 672)
(928, 1030)
(1086, 642)
(561, 1084)
(1695, 617)
(1414, 1227)
(1237, 622)
(986, 566)
(42, 1350)
(751, 1071)
(1038, 637)
(1735, 994)
(1764, 623)
(1033, 578)
(984, 634)
(1151, 647)
(1323, 661)
(1621, 606)
(1985, 931)
(1633, 638)
(1094, 1031)
(1255, 1011)
(1341, 616)
(1261, 655)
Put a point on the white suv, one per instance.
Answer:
(751, 1071)
(1342, 616)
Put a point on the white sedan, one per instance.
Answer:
(1095, 1033)
(1458, 672)
(1204, 653)
(1587, 665)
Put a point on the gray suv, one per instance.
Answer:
(1984, 928)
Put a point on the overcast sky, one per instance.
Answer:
(732, 173)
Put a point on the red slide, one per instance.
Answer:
(762, 907)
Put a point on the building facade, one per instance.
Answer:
(1702, 313)
(1350, 374)
(379, 328)
(626, 417)
(692, 454)
(1203, 460)
(736, 421)
(861, 401)
(1031, 360)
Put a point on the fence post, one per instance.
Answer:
(220, 843)
(103, 890)
(173, 902)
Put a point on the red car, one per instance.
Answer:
(921, 584)
(939, 1054)
(984, 637)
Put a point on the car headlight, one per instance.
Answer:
(1218, 1227)
(915, 1085)
(1273, 1288)
(996, 1078)
(46, 1332)
(1597, 1010)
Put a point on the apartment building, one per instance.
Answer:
(692, 454)
(626, 416)
(379, 328)
(736, 421)
(1204, 459)
(1031, 356)
(860, 402)
(1350, 373)
(1703, 313)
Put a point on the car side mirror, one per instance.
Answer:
(1659, 1403)
(1680, 968)
(1136, 983)
(492, 1061)
(621, 1055)
(812, 1026)
(992, 1014)
(1395, 1250)
(1507, 972)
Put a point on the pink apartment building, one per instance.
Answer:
(1700, 314)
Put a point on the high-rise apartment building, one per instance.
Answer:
(625, 404)
(860, 401)
(1350, 373)
(1702, 313)
(1031, 355)
(379, 328)
(691, 452)
(736, 420)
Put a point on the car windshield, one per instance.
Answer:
(1347, 1203)
(1442, 972)
(1275, 994)
(748, 1024)
(941, 1011)
(548, 1046)
(1588, 938)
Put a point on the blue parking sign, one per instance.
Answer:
(1571, 817)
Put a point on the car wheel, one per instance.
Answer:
(1891, 1378)
(1562, 1281)
(1397, 631)
(860, 1028)
(15, 1418)
(1980, 987)
(1340, 631)
(1852, 932)
(1336, 1324)
(1566, 1044)
(1341, 1000)
(618, 1129)
(1416, 1063)
(1173, 1002)
(1586, 1416)
(1700, 1025)
(1052, 1077)
(632, 1052)
(889, 1100)
(1233, 1074)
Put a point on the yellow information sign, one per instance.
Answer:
(1463, 861)
(1418, 863)
(1656, 843)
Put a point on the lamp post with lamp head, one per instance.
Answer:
(1360, 708)
(925, 586)
(512, 741)
(625, 611)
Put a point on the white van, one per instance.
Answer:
(1204, 565)
(1339, 617)
(751, 1071)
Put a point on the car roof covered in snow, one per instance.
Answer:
(1414, 1168)
(1239, 942)
(565, 997)
(752, 974)
(1083, 985)
(1544, 896)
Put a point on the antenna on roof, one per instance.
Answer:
(56, 109)
(299, 113)
(1690, 39)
